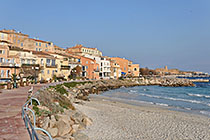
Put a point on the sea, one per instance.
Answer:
(188, 99)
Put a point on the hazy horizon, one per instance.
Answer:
(149, 32)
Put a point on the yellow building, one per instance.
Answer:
(48, 66)
(81, 50)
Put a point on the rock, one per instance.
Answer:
(75, 127)
(53, 131)
(45, 123)
(87, 121)
(63, 128)
(80, 136)
(52, 121)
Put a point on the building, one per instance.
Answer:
(81, 50)
(133, 70)
(115, 70)
(44, 46)
(123, 63)
(8, 64)
(166, 71)
(48, 66)
(66, 63)
(90, 69)
(104, 65)
(23, 41)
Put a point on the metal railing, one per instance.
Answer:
(32, 128)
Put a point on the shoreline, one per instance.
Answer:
(111, 117)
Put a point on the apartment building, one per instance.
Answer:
(21, 40)
(44, 46)
(133, 70)
(104, 65)
(81, 50)
(8, 64)
(90, 69)
(48, 66)
(123, 63)
(115, 70)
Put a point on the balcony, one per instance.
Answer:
(30, 65)
(51, 66)
(65, 67)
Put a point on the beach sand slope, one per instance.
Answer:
(113, 120)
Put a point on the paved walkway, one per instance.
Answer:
(12, 126)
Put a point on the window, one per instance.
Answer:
(53, 62)
(14, 41)
(86, 62)
(2, 73)
(18, 41)
(135, 69)
(42, 71)
(42, 62)
(48, 71)
(40, 44)
(36, 49)
(22, 61)
(28, 61)
(46, 45)
(2, 36)
(101, 64)
(8, 73)
(33, 61)
(124, 68)
(40, 49)
(1, 60)
(36, 44)
(1, 51)
(21, 44)
(48, 61)
(86, 67)
(79, 60)
(53, 72)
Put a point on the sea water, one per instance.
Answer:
(191, 99)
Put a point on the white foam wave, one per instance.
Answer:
(174, 99)
(161, 104)
(199, 95)
(133, 91)
(205, 112)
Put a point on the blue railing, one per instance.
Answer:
(32, 128)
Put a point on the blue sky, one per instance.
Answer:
(153, 33)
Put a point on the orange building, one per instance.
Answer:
(90, 69)
(123, 64)
(133, 70)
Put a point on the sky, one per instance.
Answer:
(152, 33)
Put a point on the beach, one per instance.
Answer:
(120, 120)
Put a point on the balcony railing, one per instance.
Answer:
(30, 65)
(65, 67)
(51, 66)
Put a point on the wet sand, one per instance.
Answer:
(116, 120)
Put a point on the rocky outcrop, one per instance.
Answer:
(58, 115)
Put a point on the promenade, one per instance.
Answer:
(12, 126)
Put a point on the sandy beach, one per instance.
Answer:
(114, 120)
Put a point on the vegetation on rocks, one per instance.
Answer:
(58, 115)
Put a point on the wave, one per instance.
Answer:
(161, 104)
(205, 112)
(133, 91)
(174, 99)
(199, 95)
